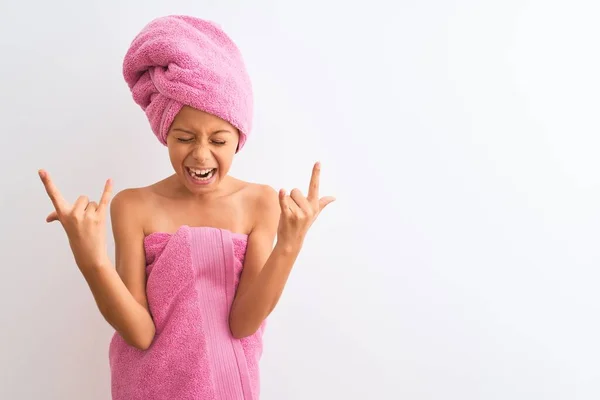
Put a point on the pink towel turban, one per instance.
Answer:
(182, 60)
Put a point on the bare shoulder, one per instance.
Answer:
(128, 201)
(260, 197)
(262, 203)
(131, 207)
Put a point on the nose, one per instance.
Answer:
(200, 153)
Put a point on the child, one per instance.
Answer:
(196, 270)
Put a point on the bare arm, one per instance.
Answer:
(265, 273)
(120, 292)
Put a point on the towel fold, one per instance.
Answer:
(181, 60)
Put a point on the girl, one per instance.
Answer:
(197, 272)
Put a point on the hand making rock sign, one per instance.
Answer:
(298, 212)
(84, 223)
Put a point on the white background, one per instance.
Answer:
(460, 137)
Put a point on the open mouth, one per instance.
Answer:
(201, 175)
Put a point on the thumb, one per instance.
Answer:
(325, 201)
(53, 216)
(106, 196)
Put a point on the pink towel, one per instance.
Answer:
(192, 278)
(182, 60)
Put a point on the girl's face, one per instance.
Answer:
(201, 147)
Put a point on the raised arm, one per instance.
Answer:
(266, 269)
(119, 293)
(124, 303)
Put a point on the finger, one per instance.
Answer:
(300, 200)
(106, 196)
(53, 216)
(294, 208)
(283, 202)
(288, 206)
(324, 201)
(80, 205)
(91, 208)
(313, 188)
(57, 200)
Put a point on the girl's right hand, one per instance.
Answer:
(84, 223)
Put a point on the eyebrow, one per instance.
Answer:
(194, 133)
(183, 130)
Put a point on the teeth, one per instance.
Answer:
(197, 172)
(200, 171)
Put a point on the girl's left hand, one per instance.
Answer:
(298, 212)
